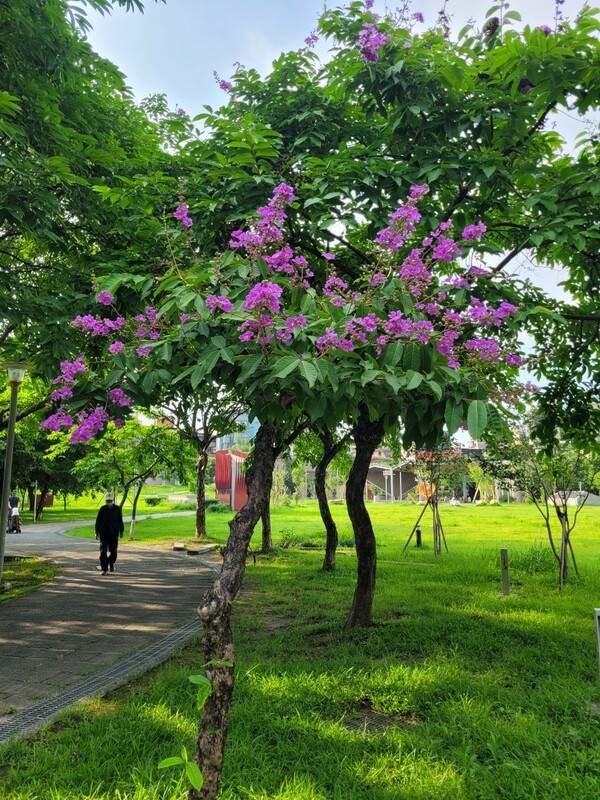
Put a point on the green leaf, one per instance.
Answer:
(369, 375)
(309, 371)
(249, 367)
(172, 761)
(453, 415)
(395, 381)
(285, 365)
(477, 418)
(199, 680)
(411, 358)
(194, 775)
(413, 379)
(435, 388)
(392, 354)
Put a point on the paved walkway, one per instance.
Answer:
(83, 623)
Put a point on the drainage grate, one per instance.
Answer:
(31, 719)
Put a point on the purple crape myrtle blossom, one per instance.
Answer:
(478, 272)
(226, 86)
(295, 267)
(418, 17)
(258, 330)
(105, 298)
(445, 250)
(97, 326)
(513, 359)
(445, 344)
(143, 350)
(268, 229)
(334, 289)
(482, 314)
(414, 273)
(311, 39)
(119, 398)
(474, 231)
(485, 349)
(418, 191)
(90, 425)
(217, 302)
(57, 421)
(401, 327)
(376, 280)
(369, 41)
(331, 341)
(401, 225)
(118, 423)
(431, 308)
(181, 112)
(545, 29)
(329, 256)
(291, 324)
(182, 213)
(264, 296)
(70, 369)
(64, 393)
(116, 347)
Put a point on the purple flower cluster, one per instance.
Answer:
(401, 225)
(57, 421)
(97, 326)
(218, 302)
(311, 39)
(358, 328)
(376, 280)
(474, 231)
(226, 86)
(483, 314)
(335, 288)
(369, 41)
(484, 349)
(147, 325)
(105, 299)
(181, 112)
(182, 213)
(143, 350)
(258, 330)
(414, 273)
(291, 324)
(401, 327)
(331, 341)
(513, 359)
(445, 346)
(68, 374)
(418, 17)
(545, 29)
(264, 296)
(119, 398)
(116, 347)
(295, 267)
(445, 250)
(90, 425)
(267, 230)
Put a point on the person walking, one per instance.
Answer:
(109, 528)
(14, 519)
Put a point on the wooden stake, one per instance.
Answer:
(505, 578)
(597, 620)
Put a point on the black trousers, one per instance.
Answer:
(108, 550)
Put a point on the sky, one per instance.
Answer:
(175, 47)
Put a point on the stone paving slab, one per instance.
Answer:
(83, 622)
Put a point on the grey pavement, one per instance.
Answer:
(82, 622)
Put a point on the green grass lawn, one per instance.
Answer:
(25, 575)
(86, 506)
(488, 697)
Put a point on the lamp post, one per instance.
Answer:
(16, 373)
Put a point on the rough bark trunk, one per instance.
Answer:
(215, 613)
(201, 464)
(267, 539)
(367, 435)
(564, 549)
(31, 498)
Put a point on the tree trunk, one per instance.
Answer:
(136, 497)
(125, 495)
(201, 464)
(215, 613)
(39, 510)
(331, 534)
(367, 435)
(267, 539)
(31, 498)
(564, 548)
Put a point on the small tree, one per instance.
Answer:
(558, 483)
(319, 447)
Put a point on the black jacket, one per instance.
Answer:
(109, 521)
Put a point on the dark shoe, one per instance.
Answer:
(112, 567)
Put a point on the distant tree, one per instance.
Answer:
(558, 483)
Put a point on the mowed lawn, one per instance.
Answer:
(467, 695)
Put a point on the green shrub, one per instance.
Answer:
(533, 560)
(153, 501)
(218, 508)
